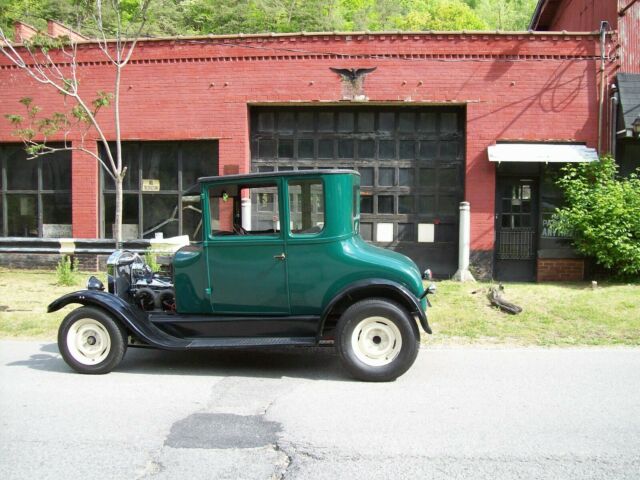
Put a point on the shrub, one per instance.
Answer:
(67, 271)
(151, 259)
(602, 211)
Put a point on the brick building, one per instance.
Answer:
(436, 118)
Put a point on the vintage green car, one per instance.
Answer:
(281, 263)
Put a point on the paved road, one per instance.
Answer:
(458, 413)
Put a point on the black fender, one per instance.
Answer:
(378, 288)
(133, 319)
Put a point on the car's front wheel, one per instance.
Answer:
(377, 340)
(91, 341)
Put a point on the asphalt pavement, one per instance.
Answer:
(459, 413)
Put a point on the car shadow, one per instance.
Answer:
(314, 363)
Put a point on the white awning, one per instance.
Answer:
(541, 152)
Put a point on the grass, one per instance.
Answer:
(554, 314)
(24, 296)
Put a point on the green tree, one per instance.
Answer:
(602, 212)
(506, 14)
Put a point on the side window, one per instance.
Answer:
(244, 210)
(306, 204)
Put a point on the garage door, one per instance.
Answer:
(410, 160)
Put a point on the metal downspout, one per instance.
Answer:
(603, 33)
(613, 120)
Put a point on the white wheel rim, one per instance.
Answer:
(376, 341)
(88, 341)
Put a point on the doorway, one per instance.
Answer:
(516, 228)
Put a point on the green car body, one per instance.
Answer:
(238, 275)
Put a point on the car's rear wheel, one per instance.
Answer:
(91, 341)
(377, 340)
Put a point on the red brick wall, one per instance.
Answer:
(585, 15)
(560, 270)
(516, 87)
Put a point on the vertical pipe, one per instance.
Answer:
(613, 127)
(246, 213)
(464, 245)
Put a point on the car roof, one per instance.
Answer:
(291, 173)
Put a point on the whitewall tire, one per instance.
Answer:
(377, 339)
(91, 341)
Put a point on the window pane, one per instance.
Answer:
(405, 177)
(129, 216)
(325, 121)
(366, 148)
(366, 231)
(159, 215)
(427, 204)
(192, 217)
(428, 150)
(305, 148)
(264, 210)
(286, 122)
(265, 121)
(387, 149)
(285, 148)
(130, 159)
(199, 159)
(56, 209)
(22, 220)
(221, 209)
(405, 232)
(448, 122)
(160, 162)
(325, 148)
(345, 148)
(406, 204)
(1, 217)
(345, 121)
(266, 148)
(385, 204)
(448, 150)
(427, 177)
(366, 121)
(56, 171)
(407, 149)
(448, 177)
(307, 206)
(305, 121)
(366, 176)
(22, 174)
(427, 122)
(385, 177)
(447, 205)
(386, 122)
(366, 204)
(406, 122)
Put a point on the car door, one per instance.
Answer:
(246, 250)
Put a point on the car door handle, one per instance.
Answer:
(282, 256)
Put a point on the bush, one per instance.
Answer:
(602, 212)
(151, 259)
(67, 271)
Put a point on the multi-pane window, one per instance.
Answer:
(35, 195)
(159, 194)
(410, 160)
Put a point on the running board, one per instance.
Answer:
(243, 342)
(155, 337)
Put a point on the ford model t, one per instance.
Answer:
(280, 263)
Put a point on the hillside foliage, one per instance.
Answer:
(199, 17)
